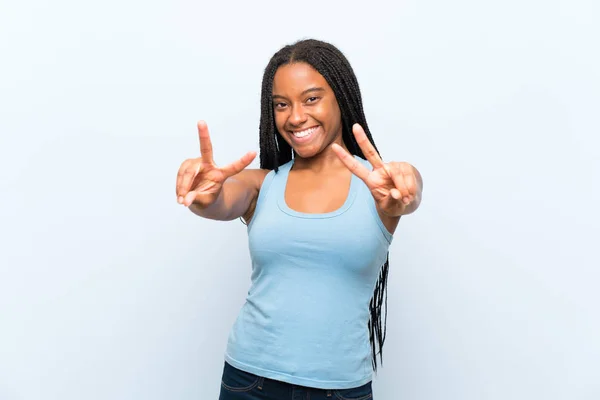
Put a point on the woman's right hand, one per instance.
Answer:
(200, 180)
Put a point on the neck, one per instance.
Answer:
(323, 161)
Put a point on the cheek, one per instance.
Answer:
(333, 111)
(279, 120)
(334, 117)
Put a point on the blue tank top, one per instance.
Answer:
(305, 317)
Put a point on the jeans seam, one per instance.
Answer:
(365, 397)
(244, 389)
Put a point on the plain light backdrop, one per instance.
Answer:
(110, 290)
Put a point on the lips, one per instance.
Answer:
(305, 134)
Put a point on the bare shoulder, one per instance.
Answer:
(253, 178)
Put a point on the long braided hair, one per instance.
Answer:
(275, 151)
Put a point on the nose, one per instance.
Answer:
(298, 116)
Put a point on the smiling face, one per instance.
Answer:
(306, 111)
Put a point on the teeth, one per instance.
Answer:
(305, 132)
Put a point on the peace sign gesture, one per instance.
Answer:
(200, 180)
(395, 186)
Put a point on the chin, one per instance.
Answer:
(306, 153)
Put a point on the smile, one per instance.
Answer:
(304, 134)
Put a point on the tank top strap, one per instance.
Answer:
(269, 190)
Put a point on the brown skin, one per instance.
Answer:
(303, 99)
(320, 178)
(221, 193)
(318, 182)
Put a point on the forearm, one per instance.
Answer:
(233, 202)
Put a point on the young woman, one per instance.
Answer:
(320, 215)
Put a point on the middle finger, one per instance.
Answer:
(366, 146)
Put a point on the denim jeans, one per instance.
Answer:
(241, 385)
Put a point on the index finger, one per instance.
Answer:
(351, 163)
(205, 143)
(365, 145)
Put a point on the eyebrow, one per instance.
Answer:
(309, 90)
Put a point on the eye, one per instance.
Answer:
(280, 105)
(312, 99)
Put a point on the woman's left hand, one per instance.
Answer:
(395, 186)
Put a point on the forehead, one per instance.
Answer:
(297, 77)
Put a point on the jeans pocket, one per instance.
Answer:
(235, 380)
(363, 392)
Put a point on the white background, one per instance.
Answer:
(111, 290)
